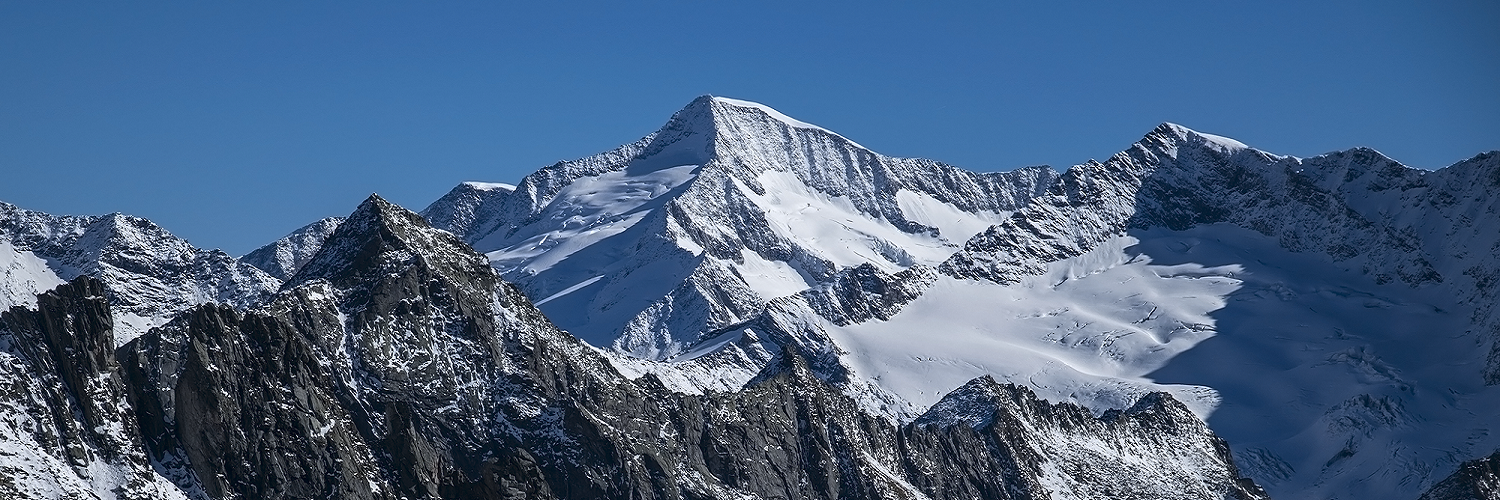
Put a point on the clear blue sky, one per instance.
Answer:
(233, 123)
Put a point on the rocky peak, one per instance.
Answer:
(461, 209)
(381, 238)
(973, 404)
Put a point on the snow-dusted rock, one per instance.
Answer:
(282, 258)
(149, 274)
(66, 425)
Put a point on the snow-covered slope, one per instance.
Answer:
(150, 275)
(23, 275)
(1338, 316)
(648, 247)
(1332, 317)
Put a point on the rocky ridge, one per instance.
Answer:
(284, 257)
(149, 275)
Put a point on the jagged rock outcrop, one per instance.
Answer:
(66, 429)
(469, 208)
(1074, 453)
(863, 293)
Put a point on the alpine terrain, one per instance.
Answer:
(744, 305)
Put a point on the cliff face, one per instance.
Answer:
(66, 424)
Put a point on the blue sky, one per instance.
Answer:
(233, 123)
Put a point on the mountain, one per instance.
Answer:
(148, 274)
(397, 364)
(744, 305)
(282, 258)
(1351, 295)
(729, 205)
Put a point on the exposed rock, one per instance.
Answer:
(1477, 479)
(66, 429)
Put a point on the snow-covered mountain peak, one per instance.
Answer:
(150, 274)
(282, 258)
(729, 204)
(719, 128)
(1182, 135)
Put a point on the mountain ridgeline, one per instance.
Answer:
(744, 305)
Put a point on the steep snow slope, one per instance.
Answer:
(23, 275)
(648, 247)
(150, 275)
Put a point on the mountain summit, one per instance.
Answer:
(650, 247)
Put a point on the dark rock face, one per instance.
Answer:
(1477, 479)
(65, 402)
(244, 403)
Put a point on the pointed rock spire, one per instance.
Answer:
(380, 238)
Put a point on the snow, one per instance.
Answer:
(569, 290)
(838, 231)
(1224, 144)
(1289, 358)
(490, 186)
(584, 213)
(1086, 332)
(23, 275)
(770, 278)
(779, 116)
(953, 223)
